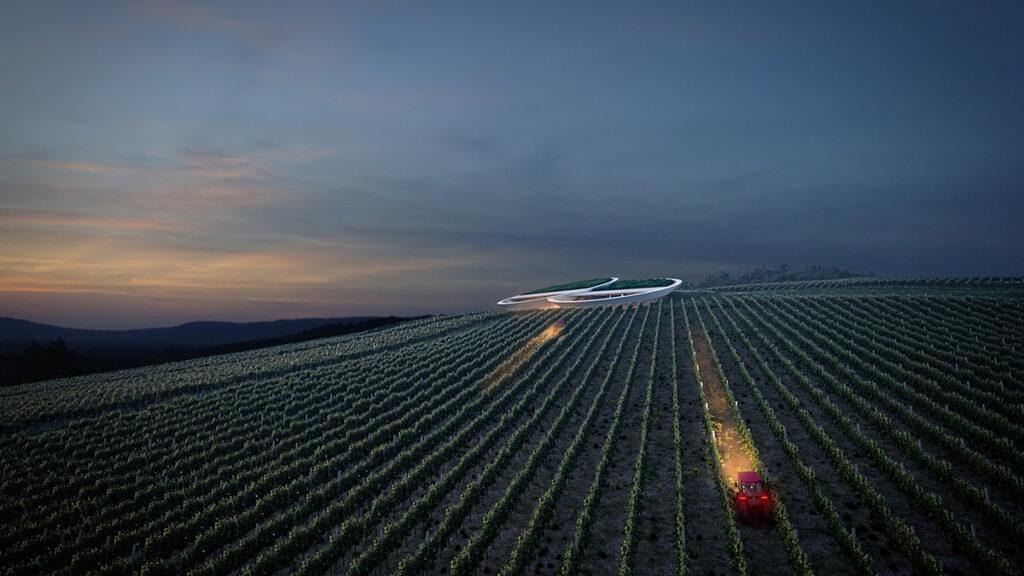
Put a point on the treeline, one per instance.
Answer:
(57, 359)
(780, 273)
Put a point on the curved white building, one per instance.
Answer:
(610, 295)
(598, 292)
(539, 298)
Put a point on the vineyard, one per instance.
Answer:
(887, 422)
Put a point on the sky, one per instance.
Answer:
(168, 161)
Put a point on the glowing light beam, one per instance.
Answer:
(516, 360)
(734, 454)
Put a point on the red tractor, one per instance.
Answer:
(752, 499)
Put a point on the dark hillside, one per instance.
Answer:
(50, 355)
(757, 433)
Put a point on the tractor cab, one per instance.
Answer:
(752, 499)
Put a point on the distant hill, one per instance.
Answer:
(30, 351)
(15, 333)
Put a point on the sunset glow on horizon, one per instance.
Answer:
(163, 161)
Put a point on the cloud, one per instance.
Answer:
(189, 184)
(92, 223)
(299, 277)
(206, 164)
(188, 162)
(88, 167)
(196, 17)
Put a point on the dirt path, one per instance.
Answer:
(703, 518)
(825, 555)
(764, 551)
(735, 457)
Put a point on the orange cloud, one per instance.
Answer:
(117, 264)
(177, 232)
(191, 163)
(11, 217)
(90, 167)
(211, 165)
(123, 280)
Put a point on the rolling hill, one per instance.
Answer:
(15, 332)
(886, 428)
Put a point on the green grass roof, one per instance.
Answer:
(571, 286)
(644, 283)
